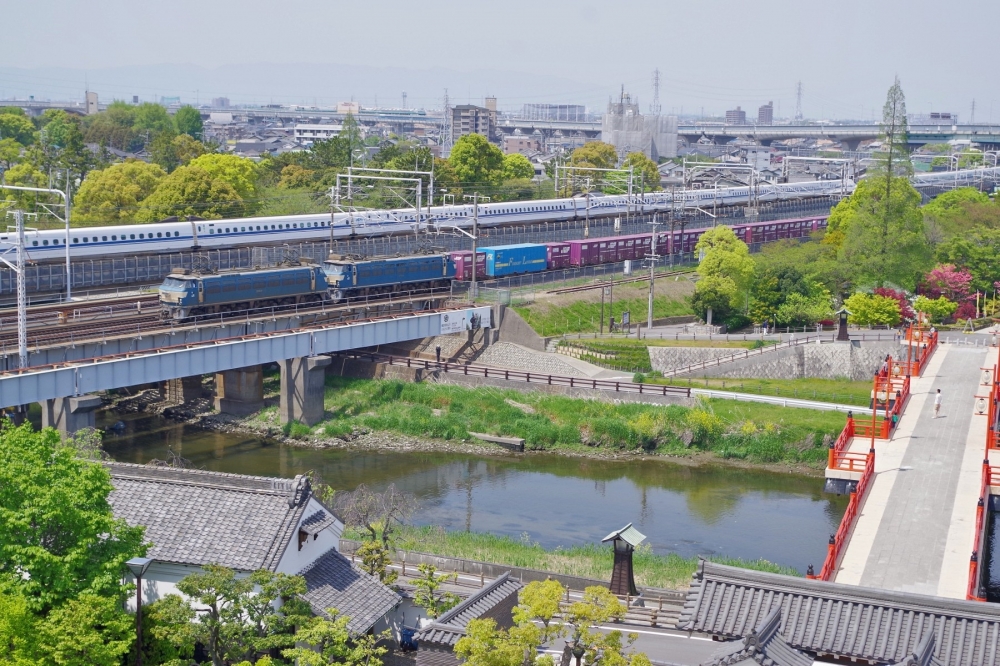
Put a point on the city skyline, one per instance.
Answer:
(713, 56)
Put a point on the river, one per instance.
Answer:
(554, 500)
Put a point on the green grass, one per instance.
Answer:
(843, 391)
(590, 561)
(585, 316)
(632, 355)
(758, 433)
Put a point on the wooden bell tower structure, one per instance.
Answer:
(625, 541)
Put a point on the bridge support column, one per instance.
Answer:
(240, 392)
(302, 382)
(70, 414)
(183, 389)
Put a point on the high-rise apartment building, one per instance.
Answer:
(765, 114)
(736, 116)
(471, 119)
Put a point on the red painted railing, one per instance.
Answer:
(838, 541)
(990, 477)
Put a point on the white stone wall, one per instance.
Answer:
(825, 361)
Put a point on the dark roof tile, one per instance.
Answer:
(333, 582)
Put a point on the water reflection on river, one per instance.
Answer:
(556, 500)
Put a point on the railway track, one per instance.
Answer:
(151, 323)
(67, 314)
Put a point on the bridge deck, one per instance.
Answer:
(915, 530)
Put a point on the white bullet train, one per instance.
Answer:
(179, 236)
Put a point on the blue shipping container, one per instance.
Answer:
(514, 259)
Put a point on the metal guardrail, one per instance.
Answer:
(777, 400)
(520, 376)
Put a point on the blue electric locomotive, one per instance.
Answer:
(349, 278)
(184, 294)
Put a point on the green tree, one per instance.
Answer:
(881, 242)
(152, 118)
(169, 631)
(484, 644)
(517, 166)
(717, 293)
(188, 121)
(10, 152)
(375, 561)
(872, 310)
(958, 211)
(539, 602)
(89, 630)
(239, 172)
(114, 127)
(429, 595)
(17, 127)
(938, 309)
(724, 255)
(323, 642)
(476, 161)
(801, 310)
(885, 241)
(295, 177)
(18, 635)
(977, 251)
(58, 536)
(113, 195)
(190, 190)
(645, 171)
(595, 154)
(239, 620)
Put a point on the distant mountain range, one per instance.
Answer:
(306, 84)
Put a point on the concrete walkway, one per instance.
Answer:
(915, 529)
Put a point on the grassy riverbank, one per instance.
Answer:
(843, 391)
(754, 432)
(632, 355)
(591, 561)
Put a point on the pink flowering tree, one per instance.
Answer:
(947, 281)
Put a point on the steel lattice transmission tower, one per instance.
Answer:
(798, 101)
(446, 127)
(654, 108)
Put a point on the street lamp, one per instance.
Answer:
(138, 566)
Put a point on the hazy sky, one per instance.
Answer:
(711, 53)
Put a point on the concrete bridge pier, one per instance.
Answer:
(240, 392)
(182, 389)
(70, 414)
(302, 384)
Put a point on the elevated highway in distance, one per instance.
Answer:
(849, 135)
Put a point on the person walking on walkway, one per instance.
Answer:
(937, 403)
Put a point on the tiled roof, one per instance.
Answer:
(200, 517)
(764, 646)
(628, 534)
(450, 627)
(844, 621)
(332, 582)
(317, 522)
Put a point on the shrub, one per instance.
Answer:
(705, 426)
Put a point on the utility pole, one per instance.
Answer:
(475, 198)
(22, 292)
(65, 220)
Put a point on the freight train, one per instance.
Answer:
(184, 295)
(182, 236)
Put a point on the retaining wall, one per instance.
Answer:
(857, 361)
